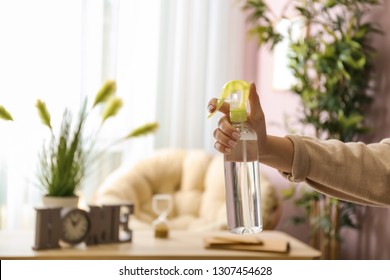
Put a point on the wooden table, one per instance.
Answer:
(182, 245)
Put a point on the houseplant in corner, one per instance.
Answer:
(331, 60)
(70, 154)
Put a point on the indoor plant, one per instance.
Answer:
(65, 160)
(331, 60)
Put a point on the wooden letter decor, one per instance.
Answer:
(106, 224)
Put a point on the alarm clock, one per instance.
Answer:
(75, 226)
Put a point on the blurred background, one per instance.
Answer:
(169, 57)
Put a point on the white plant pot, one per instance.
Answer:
(56, 201)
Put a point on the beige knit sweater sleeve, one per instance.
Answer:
(353, 172)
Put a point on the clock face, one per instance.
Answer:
(75, 226)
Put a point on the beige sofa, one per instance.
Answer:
(195, 179)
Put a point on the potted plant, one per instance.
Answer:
(66, 158)
(332, 62)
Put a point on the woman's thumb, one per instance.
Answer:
(254, 101)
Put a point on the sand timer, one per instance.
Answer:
(162, 206)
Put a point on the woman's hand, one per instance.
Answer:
(274, 151)
(226, 135)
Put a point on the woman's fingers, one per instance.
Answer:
(228, 129)
(254, 102)
(224, 140)
(221, 148)
(212, 106)
(256, 118)
(226, 136)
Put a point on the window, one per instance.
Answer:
(168, 58)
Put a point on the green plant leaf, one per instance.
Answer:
(288, 193)
(142, 130)
(5, 115)
(325, 224)
(260, 16)
(352, 120)
(43, 113)
(330, 3)
(113, 106)
(256, 8)
(105, 92)
(304, 11)
(343, 71)
(361, 32)
(296, 220)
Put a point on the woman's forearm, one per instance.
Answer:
(277, 153)
(353, 171)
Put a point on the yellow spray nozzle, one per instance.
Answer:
(238, 91)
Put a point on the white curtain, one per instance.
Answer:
(203, 44)
(169, 57)
(129, 55)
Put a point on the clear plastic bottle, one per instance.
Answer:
(242, 175)
(242, 180)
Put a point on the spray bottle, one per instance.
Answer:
(242, 175)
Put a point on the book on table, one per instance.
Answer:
(252, 242)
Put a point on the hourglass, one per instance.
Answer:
(162, 206)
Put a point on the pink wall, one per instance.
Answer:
(372, 240)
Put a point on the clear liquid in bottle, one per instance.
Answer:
(242, 180)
